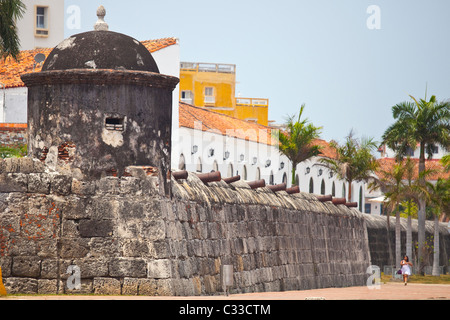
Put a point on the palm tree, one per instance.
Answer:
(297, 143)
(438, 198)
(10, 12)
(397, 187)
(445, 161)
(422, 122)
(354, 160)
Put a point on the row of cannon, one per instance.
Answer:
(216, 176)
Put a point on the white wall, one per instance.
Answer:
(13, 105)
(205, 141)
(168, 61)
(26, 25)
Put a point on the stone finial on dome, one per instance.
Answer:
(101, 25)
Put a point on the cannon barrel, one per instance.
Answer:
(352, 204)
(180, 174)
(325, 198)
(337, 201)
(210, 177)
(257, 184)
(232, 179)
(278, 187)
(293, 190)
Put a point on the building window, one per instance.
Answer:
(209, 95)
(285, 178)
(322, 187)
(187, 96)
(41, 21)
(368, 208)
(182, 164)
(271, 179)
(258, 174)
(311, 185)
(199, 165)
(333, 189)
(230, 170)
(244, 172)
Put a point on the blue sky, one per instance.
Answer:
(317, 52)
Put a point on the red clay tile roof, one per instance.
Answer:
(11, 70)
(386, 164)
(226, 125)
(237, 128)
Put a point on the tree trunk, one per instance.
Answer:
(409, 234)
(350, 190)
(388, 226)
(398, 244)
(294, 167)
(421, 215)
(436, 271)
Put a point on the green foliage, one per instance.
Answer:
(408, 208)
(297, 143)
(355, 161)
(13, 152)
(10, 12)
(419, 122)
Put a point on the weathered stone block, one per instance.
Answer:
(83, 188)
(21, 285)
(127, 267)
(147, 287)
(75, 208)
(129, 185)
(106, 286)
(61, 184)
(109, 185)
(11, 165)
(48, 286)
(160, 269)
(92, 267)
(39, 183)
(13, 182)
(135, 248)
(96, 228)
(26, 165)
(74, 248)
(26, 267)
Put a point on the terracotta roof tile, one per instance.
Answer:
(226, 125)
(158, 44)
(386, 164)
(11, 70)
(238, 128)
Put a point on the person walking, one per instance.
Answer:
(406, 269)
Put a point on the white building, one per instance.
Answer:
(211, 141)
(42, 25)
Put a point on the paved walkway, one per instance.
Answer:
(387, 291)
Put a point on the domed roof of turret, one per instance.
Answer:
(100, 49)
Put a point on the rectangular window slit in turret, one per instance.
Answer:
(114, 124)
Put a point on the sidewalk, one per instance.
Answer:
(387, 291)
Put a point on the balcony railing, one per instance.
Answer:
(208, 67)
(252, 102)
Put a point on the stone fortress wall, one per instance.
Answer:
(126, 238)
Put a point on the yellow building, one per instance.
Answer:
(212, 86)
